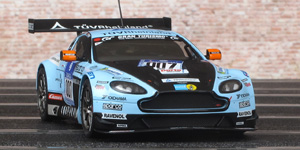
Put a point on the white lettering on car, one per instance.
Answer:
(114, 116)
(247, 113)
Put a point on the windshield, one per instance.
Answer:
(136, 47)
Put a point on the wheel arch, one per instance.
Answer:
(50, 70)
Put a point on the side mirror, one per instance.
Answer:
(213, 54)
(68, 55)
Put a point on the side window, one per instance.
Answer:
(83, 49)
(190, 52)
(79, 49)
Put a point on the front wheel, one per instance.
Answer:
(87, 110)
(42, 93)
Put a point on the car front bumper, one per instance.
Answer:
(170, 122)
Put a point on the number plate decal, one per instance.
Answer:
(69, 70)
(164, 66)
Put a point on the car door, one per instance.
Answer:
(83, 56)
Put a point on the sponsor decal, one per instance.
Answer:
(242, 95)
(173, 71)
(180, 86)
(53, 109)
(245, 73)
(59, 80)
(244, 104)
(174, 38)
(244, 80)
(190, 87)
(103, 69)
(93, 27)
(180, 80)
(118, 107)
(214, 53)
(240, 123)
(107, 38)
(221, 70)
(121, 125)
(114, 116)
(55, 60)
(102, 82)
(114, 98)
(99, 87)
(121, 78)
(137, 32)
(79, 69)
(111, 71)
(91, 74)
(69, 111)
(53, 96)
(224, 77)
(97, 40)
(247, 84)
(93, 67)
(58, 26)
(129, 37)
(247, 113)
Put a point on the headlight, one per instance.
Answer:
(230, 86)
(127, 87)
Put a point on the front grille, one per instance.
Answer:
(184, 102)
(181, 121)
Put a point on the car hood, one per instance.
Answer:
(192, 69)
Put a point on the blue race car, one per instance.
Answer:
(136, 79)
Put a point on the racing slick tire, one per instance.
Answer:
(87, 117)
(42, 93)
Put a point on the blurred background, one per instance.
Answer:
(261, 37)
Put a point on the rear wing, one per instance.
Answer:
(80, 25)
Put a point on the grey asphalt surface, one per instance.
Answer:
(278, 105)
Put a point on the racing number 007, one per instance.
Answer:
(162, 65)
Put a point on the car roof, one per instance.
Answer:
(130, 31)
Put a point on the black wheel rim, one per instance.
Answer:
(87, 110)
(42, 94)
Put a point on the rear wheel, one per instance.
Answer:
(87, 117)
(42, 93)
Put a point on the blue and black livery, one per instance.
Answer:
(137, 79)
